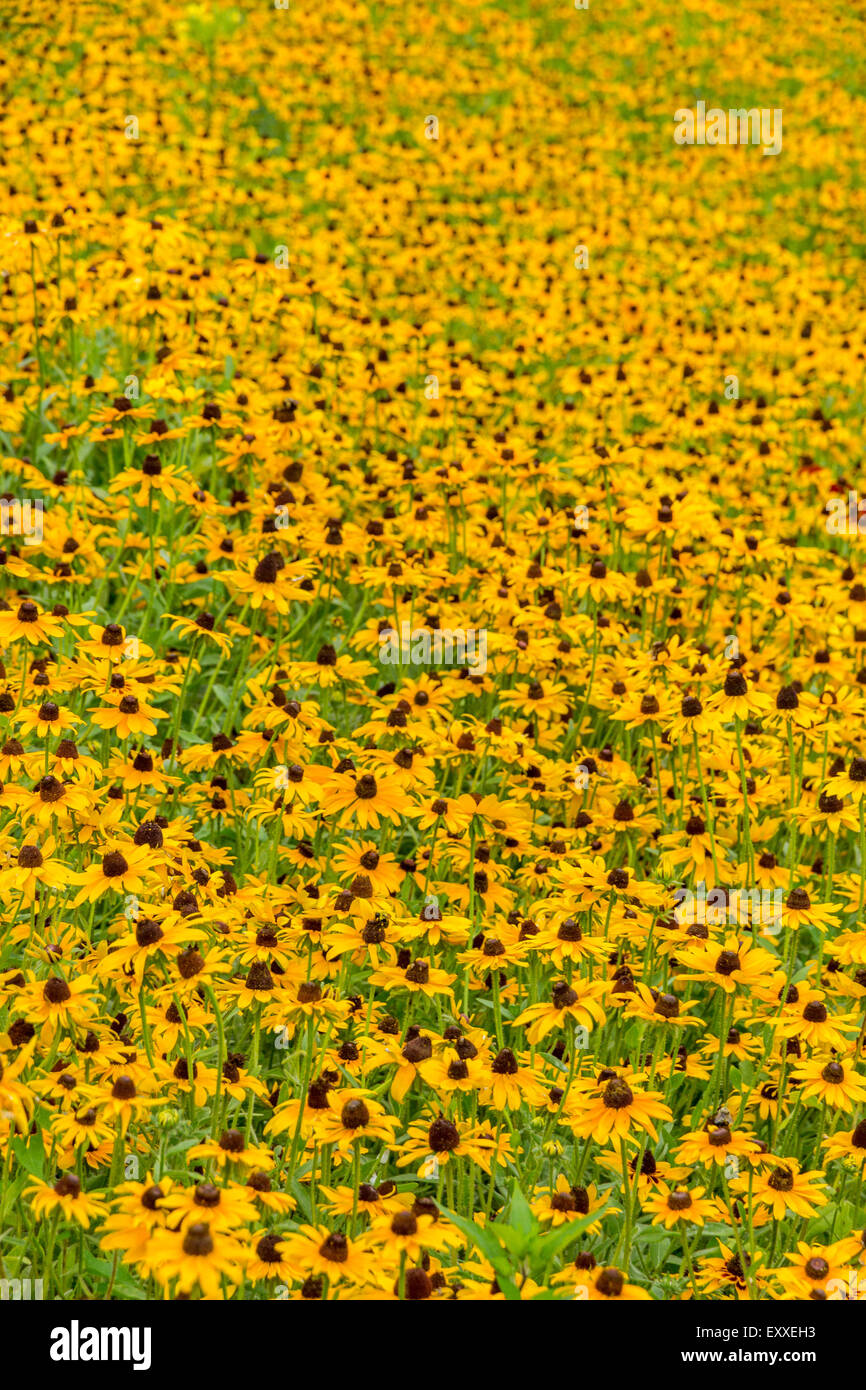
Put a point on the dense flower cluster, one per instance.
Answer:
(432, 773)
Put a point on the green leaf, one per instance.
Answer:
(551, 1245)
(302, 1197)
(12, 1194)
(30, 1154)
(519, 1212)
(632, 1038)
(482, 1237)
(515, 1242)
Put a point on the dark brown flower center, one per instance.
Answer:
(190, 963)
(781, 1180)
(56, 991)
(198, 1240)
(679, 1200)
(148, 932)
(617, 1094)
(719, 1136)
(667, 1006)
(404, 1224)
(815, 1012)
(232, 1141)
(266, 570)
(735, 684)
(335, 1248)
(799, 900)
(268, 1249)
(610, 1283)
(354, 1114)
(505, 1063)
(114, 865)
(443, 1136)
(207, 1194)
(417, 1050)
(68, 1186)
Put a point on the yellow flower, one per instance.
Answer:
(616, 1109)
(119, 870)
(27, 622)
(129, 716)
(784, 1189)
(196, 1255)
(67, 1196)
(34, 870)
(681, 1205)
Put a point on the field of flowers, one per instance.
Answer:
(432, 653)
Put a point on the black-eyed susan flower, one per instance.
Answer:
(617, 1109)
(785, 1188)
(27, 622)
(672, 1206)
(67, 1196)
(196, 1255)
(118, 870)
